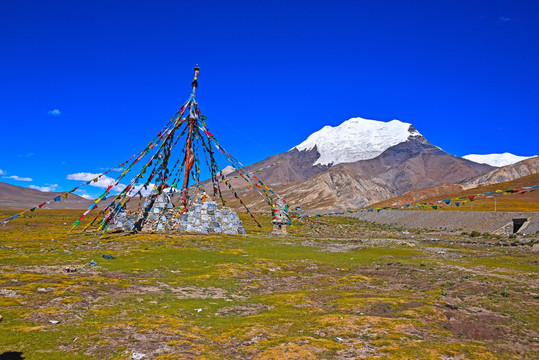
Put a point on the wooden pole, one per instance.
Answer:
(189, 153)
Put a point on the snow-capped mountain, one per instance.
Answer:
(359, 162)
(356, 139)
(497, 160)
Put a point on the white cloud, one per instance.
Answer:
(84, 194)
(114, 169)
(83, 176)
(2, 172)
(504, 19)
(47, 188)
(17, 178)
(144, 192)
(27, 155)
(54, 112)
(103, 182)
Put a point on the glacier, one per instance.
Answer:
(356, 139)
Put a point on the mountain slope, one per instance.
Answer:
(411, 163)
(416, 164)
(335, 189)
(18, 197)
(528, 201)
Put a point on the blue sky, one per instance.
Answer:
(84, 85)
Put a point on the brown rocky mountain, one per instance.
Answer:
(18, 197)
(503, 174)
(334, 189)
(413, 164)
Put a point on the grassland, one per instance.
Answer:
(345, 290)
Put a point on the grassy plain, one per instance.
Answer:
(345, 290)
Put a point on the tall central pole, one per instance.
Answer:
(189, 153)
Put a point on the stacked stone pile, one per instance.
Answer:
(202, 216)
(205, 217)
(124, 221)
(162, 217)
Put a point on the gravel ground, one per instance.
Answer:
(483, 221)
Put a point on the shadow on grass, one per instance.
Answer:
(11, 355)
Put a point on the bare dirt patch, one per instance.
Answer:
(243, 310)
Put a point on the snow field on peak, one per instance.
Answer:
(228, 170)
(356, 139)
(497, 160)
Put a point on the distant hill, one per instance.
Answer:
(504, 174)
(528, 201)
(18, 197)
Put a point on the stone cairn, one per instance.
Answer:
(205, 217)
(202, 217)
(280, 218)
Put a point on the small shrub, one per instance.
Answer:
(475, 234)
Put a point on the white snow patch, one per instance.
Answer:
(356, 139)
(228, 170)
(497, 160)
